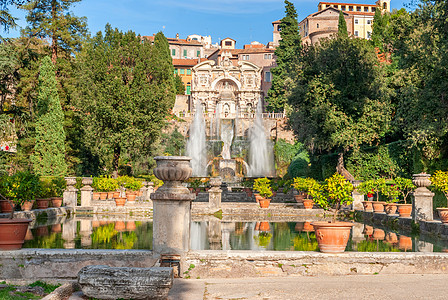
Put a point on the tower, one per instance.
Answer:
(384, 5)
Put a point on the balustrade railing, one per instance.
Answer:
(233, 115)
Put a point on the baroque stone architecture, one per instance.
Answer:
(237, 88)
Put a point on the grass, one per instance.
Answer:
(10, 293)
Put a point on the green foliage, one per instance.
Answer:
(405, 186)
(440, 181)
(335, 193)
(130, 183)
(263, 187)
(48, 288)
(342, 25)
(105, 184)
(285, 154)
(307, 185)
(18, 188)
(263, 239)
(391, 192)
(174, 143)
(50, 186)
(49, 151)
(340, 99)
(367, 187)
(180, 87)
(287, 54)
(126, 90)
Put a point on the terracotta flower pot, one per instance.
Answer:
(257, 198)
(116, 194)
(139, 193)
(96, 196)
(404, 210)
(368, 230)
(405, 243)
(264, 226)
(29, 235)
(5, 206)
(103, 196)
(120, 226)
(299, 226)
(264, 202)
(390, 208)
(248, 192)
(443, 214)
(332, 237)
(120, 201)
(56, 201)
(308, 227)
(378, 206)
(368, 206)
(56, 228)
(27, 205)
(42, 203)
(308, 203)
(130, 226)
(391, 238)
(131, 196)
(257, 226)
(95, 223)
(110, 195)
(378, 234)
(42, 231)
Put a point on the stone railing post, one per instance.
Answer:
(357, 196)
(422, 198)
(86, 191)
(70, 193)
(144, 190)
(172, 206)
(214, 193)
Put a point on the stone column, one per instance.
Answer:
(357, 197)
(69, 233)
(172, 206)
(214, 194)
(86, 191)
(144, 190)
(422, 209)
(86, 231)
(70, 193)
(214, 233)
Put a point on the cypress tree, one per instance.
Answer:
(342, 26)
(49, 151)
(287, 53)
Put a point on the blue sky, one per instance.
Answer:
(242, 20)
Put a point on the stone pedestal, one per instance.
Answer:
(214, 234)
(214, 194)
(69, 233)
(70, 194)
(172, 206)
(422, 209)
(86, 231)
(86, 191)
(357, 197)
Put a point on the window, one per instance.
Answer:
(369, 34)
(267, 56)
(373, 9)
(358, 8)
(343, 7)
(366, 9)
(317, 25)
(173, 52)
(279, 28)
(188, 90)
(356, 33)
(384, 5)
(350, 8)
(369, 22)
(182, 71)
(198, 53)
(188, 71)
(185, 53)
(175, 71)
(228, 43)
(267, 77)
(356, 21)
(245, 57)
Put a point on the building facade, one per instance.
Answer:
(324, 23)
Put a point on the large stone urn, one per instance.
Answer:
(422, 198)
(172, 206)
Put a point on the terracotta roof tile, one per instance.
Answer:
(187, 62)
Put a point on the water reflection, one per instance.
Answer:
(214, 234)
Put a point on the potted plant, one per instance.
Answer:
(132, 186)
(392, 193)
(332, 236)
(405, 187)
(58, 186)
(299, 185)
(263, 239)
(105, 186)
(247, 185)
(263, 186)
(378, 186)
(367, 188)
(16, 189)
(440, 181)
(195, 186)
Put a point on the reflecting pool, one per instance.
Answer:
(214, 234)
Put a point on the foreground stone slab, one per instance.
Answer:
(103, 282)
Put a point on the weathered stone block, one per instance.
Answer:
(103, 282)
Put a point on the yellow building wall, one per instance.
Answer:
(363, 27)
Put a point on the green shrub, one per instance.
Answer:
(263, 186)
(440, 181)
(104, 184)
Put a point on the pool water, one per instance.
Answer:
(217, 235)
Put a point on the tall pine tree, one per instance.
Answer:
(342, 25)
(49, 152)
(287, 54)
